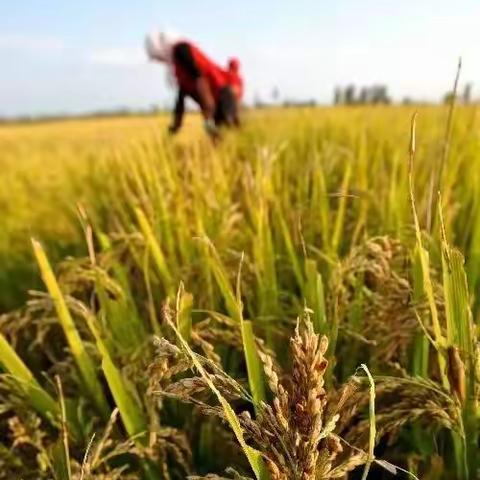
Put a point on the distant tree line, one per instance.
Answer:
(465, 97)
(348, 95)
(351, 95)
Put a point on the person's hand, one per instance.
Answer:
(173, 129)
(212, 130)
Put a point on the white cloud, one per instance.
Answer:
(119, 57)
(30, 43)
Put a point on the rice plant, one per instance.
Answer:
(197, 312)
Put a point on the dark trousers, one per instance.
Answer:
(226, 111)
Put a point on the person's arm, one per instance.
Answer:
(178, 112)
(205, 98)
(183, 55)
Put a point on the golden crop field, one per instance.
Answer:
(296, 303)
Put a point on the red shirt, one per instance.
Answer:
(236, 82)
(216, 77)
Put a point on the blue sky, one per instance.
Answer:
(75, 56)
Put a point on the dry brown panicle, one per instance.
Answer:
(349, 399)
(295, 432)
(171, 450)
(170, 361)
(168, 448)
(378, 271)
(400, 401)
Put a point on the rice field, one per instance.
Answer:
(296, 304)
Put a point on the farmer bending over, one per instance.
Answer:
(199, 78)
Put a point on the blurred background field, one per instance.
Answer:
(48, 167)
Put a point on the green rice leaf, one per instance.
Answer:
(155, 249)
(130, 412)
(315, 297)
(254, 366)
(82, 359)
(184, 313)
(39, 399)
